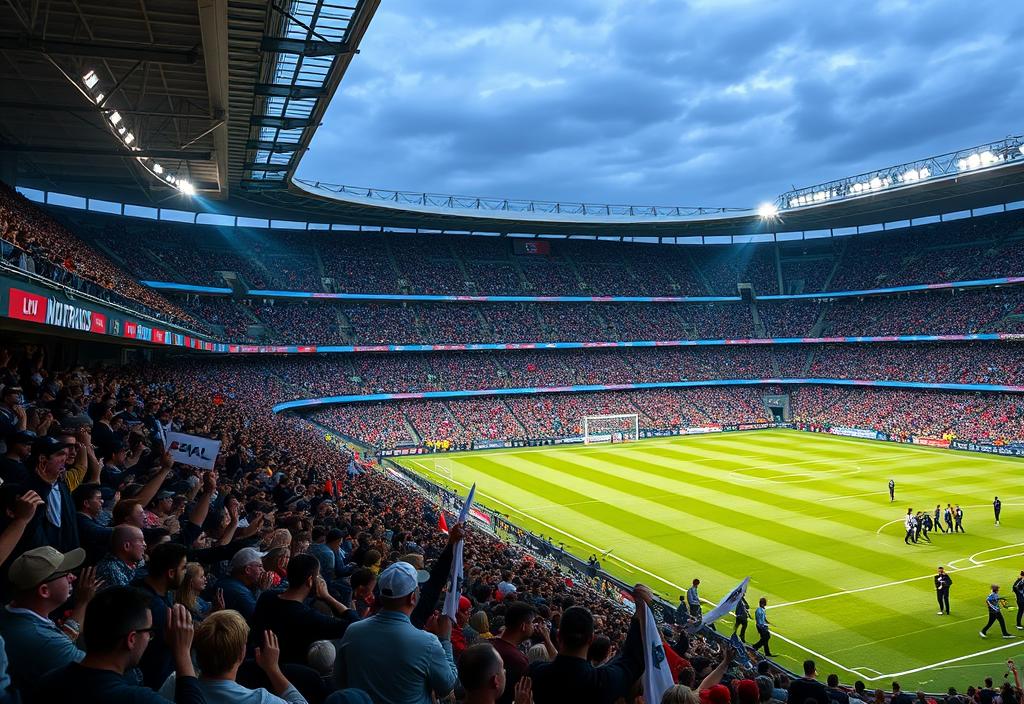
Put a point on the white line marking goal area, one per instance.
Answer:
(863, 672)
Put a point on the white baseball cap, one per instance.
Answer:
(398, 580)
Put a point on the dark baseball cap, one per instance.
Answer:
(22, 437)
(49, 445)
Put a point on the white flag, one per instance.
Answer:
(451, 600)
(657, 675)
(727, 604)
(193, 450)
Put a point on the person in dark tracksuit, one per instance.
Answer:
(958, 516)
(938, 523)
(742, 616)
(892, 491)
(997, 507)
(1018, 591)
(926, 525)
(948, 517)
(942, 584)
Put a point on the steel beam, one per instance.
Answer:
(303, 47)
(171, 154)
(99, 50)
(281, 123)
(293, 92)
(269, 168)
(269, 146)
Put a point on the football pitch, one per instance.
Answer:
(807, 517)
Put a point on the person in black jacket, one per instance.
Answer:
(942, 584)
(808, 687)
(297, 624)
(120, 628)
(1018, 591)
(571, 678)
(55, 523)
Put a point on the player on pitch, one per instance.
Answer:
(892, 491)
(995, 604)
(942, 583)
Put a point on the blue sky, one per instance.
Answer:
(708, 102)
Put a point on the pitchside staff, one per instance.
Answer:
(942, 584)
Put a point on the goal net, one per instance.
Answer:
(611, 428)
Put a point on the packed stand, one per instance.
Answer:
(35, 241)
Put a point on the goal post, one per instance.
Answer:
(611, 428)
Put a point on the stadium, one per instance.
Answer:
(291, 387)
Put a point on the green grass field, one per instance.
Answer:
(807, 516)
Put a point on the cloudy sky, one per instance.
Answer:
(665, 102)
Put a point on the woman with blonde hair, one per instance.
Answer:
(188, 594)
(680, 694)
(480, 623)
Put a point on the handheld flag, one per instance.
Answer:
(727, 604)
(741, 658)
(442, 524)
(451, 599)
(657, 674)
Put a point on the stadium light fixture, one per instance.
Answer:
(99, 98)
(767, 210)
(186, 187)
(129, 138)
(157, 169)
(90, 79)
(115, 118)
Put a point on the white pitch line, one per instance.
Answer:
(899, 581)
(853, 496)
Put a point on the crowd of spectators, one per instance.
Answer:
(289, 572)
(289, 567)
(35, 241)
(972, 248)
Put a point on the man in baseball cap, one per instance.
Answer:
(12, 463)
(41, 580)
(243, 586)
(419, 663)
(55, 523)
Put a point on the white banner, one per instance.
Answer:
(727, 604)
(193, 450)
(657, 675)
(451, 599)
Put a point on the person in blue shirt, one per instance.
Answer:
(693, 600)
(248, 578)
(388, 657)
(995, 615)
(762, 624)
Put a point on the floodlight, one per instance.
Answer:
(875, 183)
(122, 129)
(1021, 149)
(767, 210)
(186, 188)
(974, 161)
(158, 169)
(129, 138)
(99, 98)
(90, 79)
(115, 118)
(924, 173)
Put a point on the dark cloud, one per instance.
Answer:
(724, 102)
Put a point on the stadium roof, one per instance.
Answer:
(226, 95)
(96, 94)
